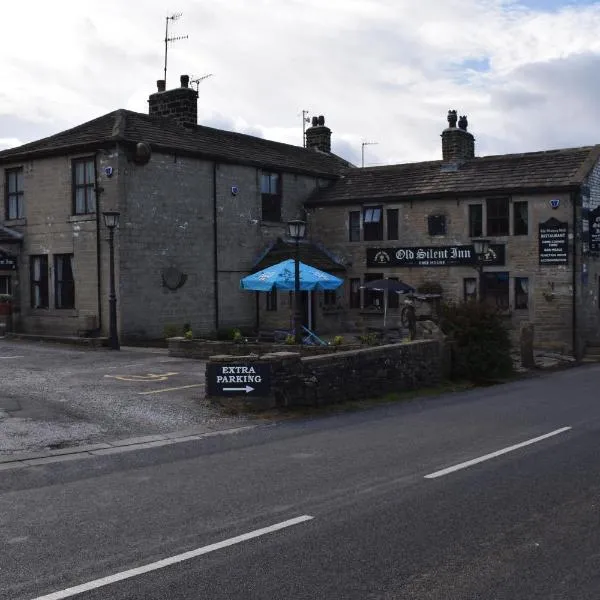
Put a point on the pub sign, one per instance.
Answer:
(594, 229)
(554, 242)
(7, 262)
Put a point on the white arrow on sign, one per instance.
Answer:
(244, 389)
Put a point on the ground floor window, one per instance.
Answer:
(38, 276)
(496, 290)
(521, 293)
(329, 298)
(373, 297)
(272, 300)
(354, 293)
(64, 284)
(469, 288)
(5, 284)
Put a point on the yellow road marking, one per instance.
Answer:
(183, 387)
(148, 377)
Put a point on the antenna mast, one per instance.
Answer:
(173, 17)
(305, 120)
(363, 150)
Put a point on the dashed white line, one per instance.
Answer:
(475, 461)
(173, 560)
(182, 387)
(5, 357)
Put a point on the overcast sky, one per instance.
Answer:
(387, 71)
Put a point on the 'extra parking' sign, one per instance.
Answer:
(238, 379)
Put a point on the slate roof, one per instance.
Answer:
(550, 170)
(163, 133)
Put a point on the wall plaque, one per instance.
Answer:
(554, 242)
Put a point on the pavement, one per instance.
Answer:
(55, 397)
(487, 493)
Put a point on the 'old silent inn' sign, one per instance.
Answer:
(432, 256)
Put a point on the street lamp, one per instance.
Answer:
(111, 220)
(481, 248)
(296, 230)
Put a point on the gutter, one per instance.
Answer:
(574, 198)
(98, 191)
(215, 247)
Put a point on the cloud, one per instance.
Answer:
(379, 70)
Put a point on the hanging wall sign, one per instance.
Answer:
(554, 242)
(7, 262)
(594, 229)
(433, 256)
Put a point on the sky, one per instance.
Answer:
(525, 72)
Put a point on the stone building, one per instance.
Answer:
(539, 211)
(198, 207)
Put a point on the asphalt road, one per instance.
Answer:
(54, 396)
(378, 516)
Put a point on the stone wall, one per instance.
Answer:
(347, 375)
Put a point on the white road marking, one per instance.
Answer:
(12, 357)
(475, 461)
(173, 560)
(183, 387)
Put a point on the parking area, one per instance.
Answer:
(54, 396)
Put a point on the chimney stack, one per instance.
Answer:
(179, 103)
(319, 136)
(457, 143)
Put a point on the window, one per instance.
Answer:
(497, 216)
(495, 290)
(272, 300)
(64, 285)
(38, 277)
(14, 194)
(521, 293)
(475, 220)
(5, 284)
(84, 186)
(393, 297)
(436, 224)
(270, 190)
(373, 297)
(355, 293)
(354, 225)
(520, 219)
(469, 288)
(392, 224)
(329, 298)
(373, 223)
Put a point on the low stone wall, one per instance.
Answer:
(204, 349)
(345, 375)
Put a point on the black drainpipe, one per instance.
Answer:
(215, 245)
(574, 196)
(99, 191)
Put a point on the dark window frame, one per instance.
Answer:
(17, 195)
(87, 186)
(393, 297)
(393, 224)
(371, 295)
(6, 284)
(271, 195)
(329, 298)
(354, 226)
(521, 218)
(64, 282)
(468, 296)
(497, 216)
(373, 223)
(271, 300)
(475, 220)
(496, 289)
(354, 293)
(521, 295)
(436, 225)
(40, 284)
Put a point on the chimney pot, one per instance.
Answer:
(161, 85)
(185, 80)
(321, 120)
(457, 143)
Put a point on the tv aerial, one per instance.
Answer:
(199, 79)
(168, 40)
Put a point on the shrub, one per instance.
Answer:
(188, 335)
(171, 330)
(338, 340)
(236, 335)
(186, 327)
(370, 339)
(290, 339)
(481, 341)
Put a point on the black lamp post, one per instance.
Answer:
(481, 248)
(111, 220)
(296, 230)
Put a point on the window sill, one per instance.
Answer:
(267, 223)
(79, 218)
(15, 222)
(53, 312)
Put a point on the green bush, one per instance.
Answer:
(481, 341)
(290, 339)
(338, 340)
(188, 335)
(370, 339)
(171, 330)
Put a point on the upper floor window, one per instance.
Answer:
(64, 284)
(436, 224)
(475, 220)
(14, 193)
(354, 293)
(520, 219)
(270, 190)
(497, 216)
(354, 226)
(38, 279)
(392, 224)
(84, 186)
(373, 223)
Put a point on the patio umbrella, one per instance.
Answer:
(385, 286)
(282, 277)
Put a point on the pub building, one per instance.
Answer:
(536, 215)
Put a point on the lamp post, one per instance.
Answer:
(111, 220)
(296, 230)
(481, 248)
